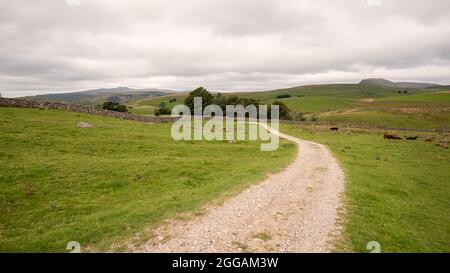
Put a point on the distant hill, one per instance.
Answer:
(387, 83)
(439, 87)
(305, 99)
(367, 88)
(97, 96)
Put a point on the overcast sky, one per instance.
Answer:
(230, 45)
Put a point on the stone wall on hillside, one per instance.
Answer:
(26, 103)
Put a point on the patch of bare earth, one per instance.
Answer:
(340, 112)
(367, 100)
(295, 210)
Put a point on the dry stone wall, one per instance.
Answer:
(26, 103)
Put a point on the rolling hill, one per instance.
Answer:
(377, 102)
(360, 104)
(304, 99)
(387, 83)
(97, 96)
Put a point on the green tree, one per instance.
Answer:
(285, 113)
(220, 100)
(207, 98)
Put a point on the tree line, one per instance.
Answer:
(222, 101)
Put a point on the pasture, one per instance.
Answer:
(346, 103)
(396, 190)
(60, 183)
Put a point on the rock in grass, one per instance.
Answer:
(84, 125)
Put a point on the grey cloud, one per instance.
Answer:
(48, 45)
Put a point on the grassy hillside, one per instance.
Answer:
(443, 97)
(423, 110)
(346, 103)
(397, 192)
(60, 183)
(307, 99)
(355, 91)
(367, 104)
(149, 106)
(315, 104)
(396, 119)
(99, 96)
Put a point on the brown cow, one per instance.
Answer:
(388, 136)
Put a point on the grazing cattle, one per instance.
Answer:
(412, 137)
(335, 129)
(388, 136)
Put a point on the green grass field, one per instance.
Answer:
(155, 102)
(307, 99)
(149, 106)
(347, 103)
(421, 97)
(315, 104)
(391, 119)
(354, 91)
(105, 185)
(397, 192)
(142, 110)
(60, 183)
(422, 110)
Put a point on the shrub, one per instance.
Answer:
(220, 100)
(300, 117)
(172, 100)
(285, 113)
(163, 111)
(114, 106)
(284, 96)
(121, 108)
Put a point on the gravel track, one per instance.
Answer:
(294, 210)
